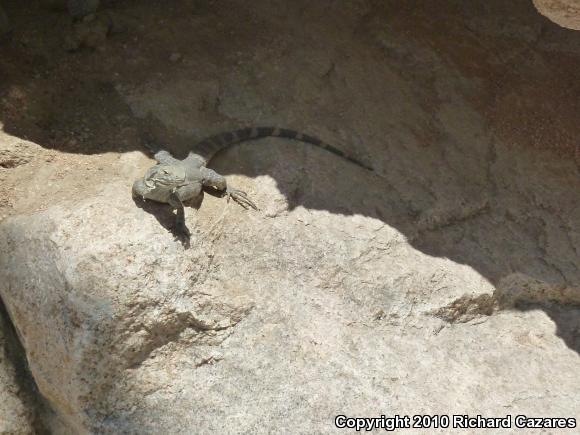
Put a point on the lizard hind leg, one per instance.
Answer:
(195, 160)
(218, 182)
(165, 158)
(241, 198)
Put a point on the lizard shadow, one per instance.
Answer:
(165, 215)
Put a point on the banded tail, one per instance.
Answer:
(210, 146)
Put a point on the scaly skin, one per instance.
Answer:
(176, 182)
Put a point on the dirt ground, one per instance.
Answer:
(525, 75)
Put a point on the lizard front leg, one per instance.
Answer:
(179, 196)
(211, 178)
(177, 204)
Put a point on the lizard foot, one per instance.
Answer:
(241, 198)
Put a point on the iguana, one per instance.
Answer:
(176, 182)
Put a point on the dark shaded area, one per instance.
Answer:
(16, 356)
(566, 318)
(166, 217)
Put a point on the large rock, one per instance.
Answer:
(98, 329)
(447, 283)
(565, 13)
(278, 319)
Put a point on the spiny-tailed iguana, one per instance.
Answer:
(176, 182)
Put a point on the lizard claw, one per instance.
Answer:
(241, 198)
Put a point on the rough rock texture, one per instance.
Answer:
(276, 318)
(14, 154)
(16, 413)
(566, 13)
(447, 282)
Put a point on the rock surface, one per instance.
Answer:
(447, 282)
(565, 13)
(280, 318)
(15, 413)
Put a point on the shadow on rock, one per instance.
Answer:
(166, 218)
(450, 182)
